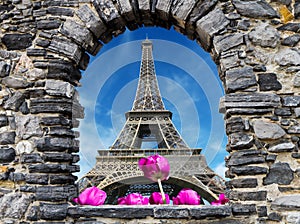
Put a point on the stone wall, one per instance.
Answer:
(44, 45)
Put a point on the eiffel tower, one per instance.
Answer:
(149, 123)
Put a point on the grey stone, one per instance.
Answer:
(31, 158)
(248, 195)
(251, 100)
(255, 9)
(37, 179)
(42, 42)
(7, 138)
(28, 126)
(60, 11)
(288, 202)
(267, 130)
(62, 179)
(53, 168)
(92, 22)
(3, 121)
(283, 112)
(55, 193)
(279, 173)
(294, 27)
(285, 2)
(181, 9)
(265, 35)
(17, 41)
(297, 79)
(48, 24)
(243, 24)
(24, 108)
(58, 157)
(36, 52)
(59, 88)
(262, 211)
(53, 211)
(168, 213)
(235, 124)
(15, 101)
(15, 82)
(246, 170)
(242, 183)
(271, 157)
(241, 78)
(287, 57)
(210, 211)
(56, 120)
(201, 9)
(60, 131)
(230, 61)
(226, 42)
(20, 204)
(293, 217)
(66, 47)
(57, 144)
(51, 105)
(297, 9)
(282, 147)
(126, 11)
(237, 161)
(24, 147)
(268, 81)
(274, 216)
(4, 69)
(291, 40)
(291, 101)
(209, 25)
(240, 209)
(162, 8)
(240, 141)
(7, 155)
(295, 129)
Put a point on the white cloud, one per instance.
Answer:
(220, 169)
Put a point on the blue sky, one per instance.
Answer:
(188, 82)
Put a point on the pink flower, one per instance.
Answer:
(221, 201)
(187, 197)
(155, 167)
(156, 198)
(133, 199)
(91, 196)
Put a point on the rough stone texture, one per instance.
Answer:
(7, 155)
(15, 82)
(59, 88)
(28, 126)
(265, 35)
(238, 79)
(224, 43)
(53, 211)
(282, 147)
(15, 101)
(242, 183)
(209, 25)
(267, 130)
(7, 138)
(240, 141)
(279, 173)
(17, 41)
(255, 9)
(20, 204)
(287, 57)
(268, 81)
(288, 202)
(291, 40)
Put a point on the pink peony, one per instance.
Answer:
(156, 199)
(155, 167)
(91, 196)
(133, 199)
(187, 197)
(221, 201)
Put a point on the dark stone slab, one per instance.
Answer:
(15, 101)
(58, 157)
(60, 120)
(242, 183)
(37, 179)
(227, 42)
(17, 41)
(55, 144)
(210, 211)
(273, 216)
(36, 52)
(53, 168)
(56, 193)
(4, 69)
(262, 211)
(166, 212)
(268, 81)
(297, 9)
(235, 124)
(248, 196)
(15, 82)
(291, 40)
(291, 101)
(245, 157)
(3, 121)
(279, 173)
(64, 70)
(294, 27)
(42, 42)
(240, 140)
(112, 211)
(7, 138)
(241, 78)
(60, 11)
(53, 211)
(62, 179)
(240, 209)
(7, 155)
(48, 24)
(31, 158)
(288, 202)
(51, 105)
(255, 9)
(283, 112)
(248, 170)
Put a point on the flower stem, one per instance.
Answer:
(161, 191)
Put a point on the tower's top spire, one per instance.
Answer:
(147, 95)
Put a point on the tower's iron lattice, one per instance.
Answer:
(116, 170)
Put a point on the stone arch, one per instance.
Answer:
(43, 44)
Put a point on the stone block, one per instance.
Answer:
(7, 138)
(267, 130)
(240, 140)
(209, 25)
(180, 11)
(4, 69)
(235, 124)
(287, 202)
(163, 8)
(264, 35)
(241, 78)
(7, 155)
(248, 170)
(268, 81)
(242, 183)
(291, 101)
(210, 211)
(28, 126)
(167, 213)
(51, 105)
(15, 82)
(62, 179)
(58, 157)
(36, 52)
(255, 9)
(282, 147)
(56, 120)
(60, 131)
(240, 209)
(287, 57)
(37, 179)
(92, 22)
(227, 42)
(297, 9)
(294, 27)
(291, 41)
(15, 101)
(201, 9)
(53, 211)
(65, 47)
(3, 121)
(248, 196)
(24, 147)
(53, 144)
(48, 24)
(31, 158)
(17, 41)
(56, 193)
(60, 11)
(126, 11)
(279, 173)
(53, 168)
(283, 112)
(59, 88)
